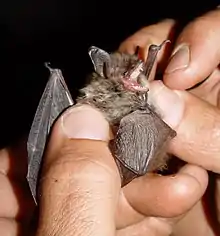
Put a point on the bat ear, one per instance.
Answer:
(101, 60)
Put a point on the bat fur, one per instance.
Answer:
(141, 136)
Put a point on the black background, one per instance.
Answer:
(33, 32)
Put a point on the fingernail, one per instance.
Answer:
(167, 102)
(85, 122)
(179, 60)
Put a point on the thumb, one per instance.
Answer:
(80, 182)
(197, 124)
(197, 52)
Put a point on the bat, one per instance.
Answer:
(119, 88)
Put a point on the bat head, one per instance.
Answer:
(129, 70)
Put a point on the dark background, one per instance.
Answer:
(36, 31)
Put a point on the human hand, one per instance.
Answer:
(198, 129)
(80, 187)
(138, 210)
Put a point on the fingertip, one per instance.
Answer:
(186, 188)
(85, 122)
(185, 69)
(152, 34)
(196, 53)
(78, 123)
(79, 173)
(198, 173)
(161, 98)
(9, 227)
(182, 75)
(191, 182)
(167, 196)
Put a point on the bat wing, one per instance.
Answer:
(54, 100)
(140, 141)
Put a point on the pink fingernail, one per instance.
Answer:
(85, 122)
(179, 60)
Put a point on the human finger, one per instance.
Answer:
(201, 226)
(162, 196)
(80, 181)
(197, 124)
(9, 227)
(150, 226)
(153, 34)
(196, 53)
(16, 201)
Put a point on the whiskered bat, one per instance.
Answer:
(118, 87)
